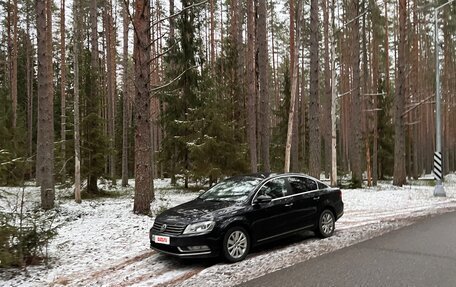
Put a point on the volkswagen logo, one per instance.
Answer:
(163, 228)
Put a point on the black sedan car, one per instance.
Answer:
(244, 211)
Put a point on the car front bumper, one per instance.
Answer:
(180, 245)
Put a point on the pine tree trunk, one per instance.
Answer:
(399, 101)
(303, 108)
(356, 146)
(294, 88)
(251, 106)
(14, 68)
(93, 161)
(45, 139)
(326, 114)
(274, 71)
(314, 108)
(77, 137)
(365, 101)
(143, 179)
(212, 8)
(29, 81)
(333, 99)
(294, 134)
(377, 90)
(125, 102)
(264, 85)
(111, 81)
(62, 87)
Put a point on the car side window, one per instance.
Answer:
(275, 188)
(302, 184)
(322, 185)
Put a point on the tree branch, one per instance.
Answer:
(157, 88)
(178, 13)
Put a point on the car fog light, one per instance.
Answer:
(196, 248)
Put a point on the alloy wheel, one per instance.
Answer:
(327, 223)
(237, 244)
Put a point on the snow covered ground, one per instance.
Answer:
(102, 243)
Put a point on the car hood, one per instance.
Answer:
(199, 210)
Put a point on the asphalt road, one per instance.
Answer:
(422, 254)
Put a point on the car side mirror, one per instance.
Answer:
(262, 199)
(201, 191)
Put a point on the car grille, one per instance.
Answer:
(171, 229)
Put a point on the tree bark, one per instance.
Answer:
(314, 108)
(143, 179)
(45, 139)
(264, 85)
(356, 146)
(14, 68)
(399, 100)
(29, 80)
(111, 85)
(125, 102)
(251, 103)
(326, 113)
(212, 8)
(294, 157)
(77, 137)
(294, 87)
(333, 99)
(62, 87)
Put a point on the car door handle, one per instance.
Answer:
(289, 204)
(316, 198)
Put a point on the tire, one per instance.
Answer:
(236, 244)
(326, 224)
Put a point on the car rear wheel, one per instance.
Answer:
(236, 244)
(326, 224)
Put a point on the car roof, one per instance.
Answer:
(268, 175)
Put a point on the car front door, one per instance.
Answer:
(272, 219)
(305, 203)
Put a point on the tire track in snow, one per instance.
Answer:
(76, 278)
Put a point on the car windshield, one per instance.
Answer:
(233, 189)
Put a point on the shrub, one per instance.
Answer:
(24, 236)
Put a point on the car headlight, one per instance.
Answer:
(200, 227)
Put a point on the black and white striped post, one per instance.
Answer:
(438, 166)
(439, 190)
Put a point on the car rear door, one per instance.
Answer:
(272, 219)
(305, 204)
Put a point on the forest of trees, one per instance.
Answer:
(202, 89)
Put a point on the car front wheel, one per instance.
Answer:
(326, 224)
(236, 244)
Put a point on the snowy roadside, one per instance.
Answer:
(102, 243)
